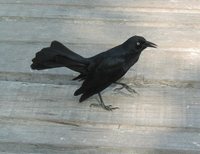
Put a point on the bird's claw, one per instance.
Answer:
(128, 88)
(106, 107)
(131, 90)
(110, 108)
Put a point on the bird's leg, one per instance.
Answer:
(128, 88)
(106, 107)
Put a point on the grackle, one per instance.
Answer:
(97, 72)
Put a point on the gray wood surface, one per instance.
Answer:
(38, 112)
(46, 114)
(168, 4)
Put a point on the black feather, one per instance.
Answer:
(57, 55)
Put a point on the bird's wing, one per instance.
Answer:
(107, 72)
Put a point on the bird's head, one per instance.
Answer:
(138, 44)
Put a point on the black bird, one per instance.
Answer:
(97, 72)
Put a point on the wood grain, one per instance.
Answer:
(178, 4)
(93, 32)
(38, 112)
(137, 16)
(154, 120)
(155, 106)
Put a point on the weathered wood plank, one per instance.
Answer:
(160, 64)
(168, 4)
(33, 137)
(45, 118)
(18, 148)
(121, 15)
(95, 32)
(154, 107)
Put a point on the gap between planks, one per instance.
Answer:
(154, 107)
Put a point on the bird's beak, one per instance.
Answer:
(150, 44)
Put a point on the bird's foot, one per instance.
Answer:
(106, 107)
(127, 87)
(109, 107)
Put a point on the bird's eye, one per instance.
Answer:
(138, 43)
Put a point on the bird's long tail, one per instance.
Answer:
(57, 55)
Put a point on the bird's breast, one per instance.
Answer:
(130, 61)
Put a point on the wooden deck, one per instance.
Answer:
(38, 112)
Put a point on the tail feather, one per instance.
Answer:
(57, 55)
(60, 48)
